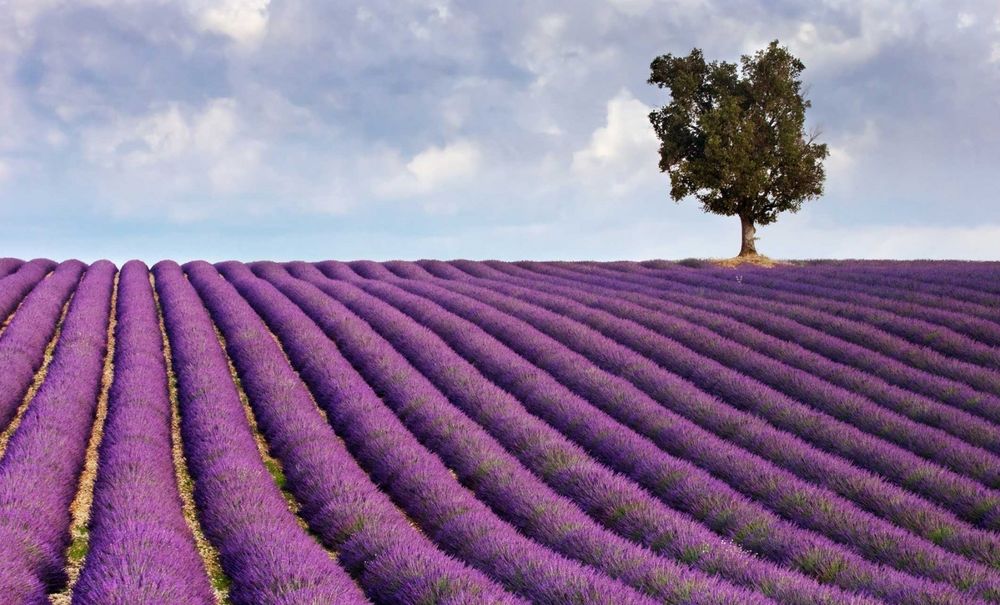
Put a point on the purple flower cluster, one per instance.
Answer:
(14, 286)
(393, 561)
(263, 550)
(416, 478)
(40, 469)
(23, 343)
(141, 548)
(9, 265)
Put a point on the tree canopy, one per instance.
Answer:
(733, 136)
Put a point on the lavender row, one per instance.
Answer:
(870, 350)
(41, 466)
(617, 503)
(627, 403)
(978, 277)
(919, 297)
(393, 561)
(13, 288)
(265, 553)
(23, 343)
(923, 324)
(9, 265)
(141, 548)
(859, 332)
(901, 287)
(936, 337)
(721, 319)
(781, 382)
(416, 478)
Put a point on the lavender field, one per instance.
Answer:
(486, 432)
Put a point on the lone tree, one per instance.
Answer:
(734, 137)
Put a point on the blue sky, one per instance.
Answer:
(312, 129)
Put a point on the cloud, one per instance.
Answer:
(621, 153)
(965, 20)
(182, 149)
(633, 7)
(243, 21)
(995, 47)
(434, 168)
(217, 112)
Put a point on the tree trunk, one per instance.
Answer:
(748, 248)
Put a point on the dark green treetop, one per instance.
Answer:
(733, 136)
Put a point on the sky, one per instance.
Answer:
(309, 129)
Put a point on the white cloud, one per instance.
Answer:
(995, 49)
(632, 7)
(175, 150)
(622, 153)
(828, 45)
(434, 168)
(244, 21)
(557, 51)
(965, 20)
(135, 143)
(543, 48)
(437, 165)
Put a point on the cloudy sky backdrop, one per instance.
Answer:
(403, 129)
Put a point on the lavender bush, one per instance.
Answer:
(41, 466)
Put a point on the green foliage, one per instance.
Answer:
(733, 135)
(80, 544)
(276, 473)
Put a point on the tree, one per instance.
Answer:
(734, 136)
